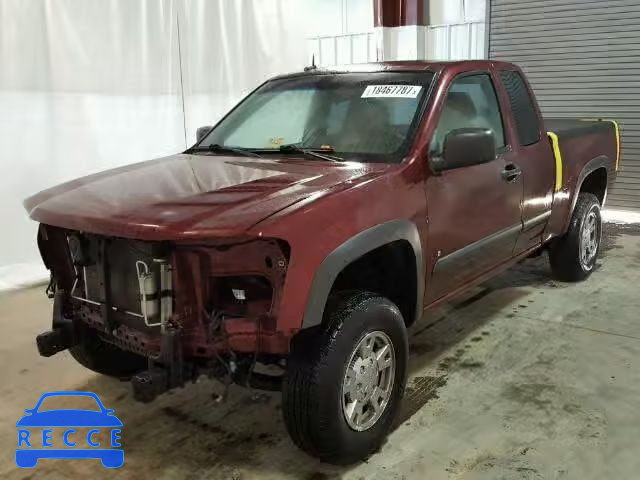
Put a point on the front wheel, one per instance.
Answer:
(573, 256)
(345, 380)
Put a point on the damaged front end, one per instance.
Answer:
(191, 308)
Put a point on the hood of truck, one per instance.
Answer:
(191, 196)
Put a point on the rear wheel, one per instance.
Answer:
(345, 379)
(573, 256)
(95, 354)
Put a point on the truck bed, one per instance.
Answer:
(566, 128)
(578, 142)
(576, 136)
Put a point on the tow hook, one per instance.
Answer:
(56, 340)
(147, 385)
(164, 373)
(61, 336)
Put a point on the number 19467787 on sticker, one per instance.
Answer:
(391, 91)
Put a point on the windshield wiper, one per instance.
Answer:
(217, 148)
(293, 148)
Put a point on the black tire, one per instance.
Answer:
(312, 390)
(565, 252)
(95, 354)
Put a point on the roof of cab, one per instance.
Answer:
(396, 66)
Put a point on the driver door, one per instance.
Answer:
(474, 212)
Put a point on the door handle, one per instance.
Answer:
(511, 172)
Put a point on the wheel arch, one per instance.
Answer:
(401, 234)
(593, 178)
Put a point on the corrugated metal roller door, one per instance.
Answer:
(583, 60)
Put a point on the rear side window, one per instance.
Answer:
(522, 107)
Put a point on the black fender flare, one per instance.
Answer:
(351, 250)
(591, 166)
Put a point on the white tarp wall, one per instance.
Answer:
(342, 32)
(456, 11)
(87, 85)
(457, 30)
(338, 17)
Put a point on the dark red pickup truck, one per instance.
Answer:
(310, 227)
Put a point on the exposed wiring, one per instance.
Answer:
(51, 287)
(215, 325)
(255, 357)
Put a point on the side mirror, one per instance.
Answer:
(202, 132)
(464, 147)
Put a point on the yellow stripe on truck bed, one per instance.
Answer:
(615, 124)
(555, 144)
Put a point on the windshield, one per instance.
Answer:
(368, 116)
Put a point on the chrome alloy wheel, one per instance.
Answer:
(589, 239)
(368, 381)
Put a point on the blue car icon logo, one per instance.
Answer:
(35, 433)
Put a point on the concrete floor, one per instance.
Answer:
(524, 378)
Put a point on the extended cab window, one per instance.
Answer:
(364, 116)
(471, 103)
(524, 113)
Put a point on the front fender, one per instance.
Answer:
(351, 250)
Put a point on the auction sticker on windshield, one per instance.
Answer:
(391, 91)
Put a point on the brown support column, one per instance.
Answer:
(400, 27)
(397, 13)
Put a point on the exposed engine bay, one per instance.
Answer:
(189, 308)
